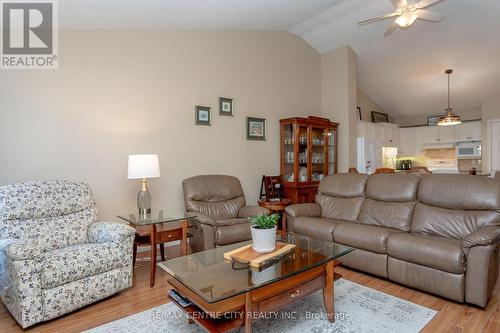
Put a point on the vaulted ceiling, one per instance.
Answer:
(403, 73)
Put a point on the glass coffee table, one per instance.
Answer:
(225, 295)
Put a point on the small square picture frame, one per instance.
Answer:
(203, 115)
(256, 129)
(225, 106)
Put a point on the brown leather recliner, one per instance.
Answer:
(437, 233)
(222, 214)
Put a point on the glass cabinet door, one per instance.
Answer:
(303, 157)
(288, 151)
(318, 154)
(332, 163)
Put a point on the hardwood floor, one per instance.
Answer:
(452, 317)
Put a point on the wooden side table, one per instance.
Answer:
(277, 206)
(154, 229)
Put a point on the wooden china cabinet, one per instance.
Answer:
(308, 153)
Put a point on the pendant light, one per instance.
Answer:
(450, 119)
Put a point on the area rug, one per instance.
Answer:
(357, 309)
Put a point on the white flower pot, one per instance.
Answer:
(263, 240)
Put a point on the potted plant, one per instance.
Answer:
(264, 232)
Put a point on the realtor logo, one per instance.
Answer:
(29, 34)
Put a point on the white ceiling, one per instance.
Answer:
(403, 73)
(189, 14)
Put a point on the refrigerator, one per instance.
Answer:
(369, 154)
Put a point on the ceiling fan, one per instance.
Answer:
(407, 13)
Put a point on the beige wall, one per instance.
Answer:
(124, 92)
(422, 119)
(490, 110)
(338, 100)
(367, 105)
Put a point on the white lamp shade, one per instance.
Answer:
(143, 166)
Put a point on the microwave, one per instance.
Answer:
(469, 149)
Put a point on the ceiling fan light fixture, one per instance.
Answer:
(450, 119)
(406, 20)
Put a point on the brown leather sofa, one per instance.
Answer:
(437, 233)
(221, 212)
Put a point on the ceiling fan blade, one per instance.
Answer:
(378, 18)
(427, 3)
(393, 27)
(399, 3)
(429, 15)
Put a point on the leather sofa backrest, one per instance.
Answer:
(216, 195)
(454, 206)
(340, 196)
(390, 200)
(52, 213)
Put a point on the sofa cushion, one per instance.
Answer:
(437, 252)
(76, 262)
(344, 185)
(462, 192)
(451, 223)
(395, 215)
(346, 209)
(232, 221)
(393, 187)
(229, 234)
(316, 227)
(362, 236)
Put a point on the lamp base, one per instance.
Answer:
(144, 199)
(144, 211)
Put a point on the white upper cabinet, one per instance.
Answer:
(407, 141)
(431, 134)
(468, 131)
(446, 133)
(391, 136)
(439, 134)
(419, 140)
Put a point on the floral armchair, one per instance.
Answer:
(54, 255)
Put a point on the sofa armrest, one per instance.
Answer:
(21, 250)
(109, 232)
(305, 209)
(252, 210)
(202, 218)
(484, 236)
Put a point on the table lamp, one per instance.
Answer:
(143, 166)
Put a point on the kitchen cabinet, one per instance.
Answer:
(385, 134)
(391, 136)
(439, 134)
(419, 141)
(431, 134)
(407, 141)
(446, 133)
(468, 131)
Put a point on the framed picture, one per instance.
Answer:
(432, 120)
(379, 117)
(256, 129)
(359, 113)
(202, 114)
(225, 106)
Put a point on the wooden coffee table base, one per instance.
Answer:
(235, 312)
